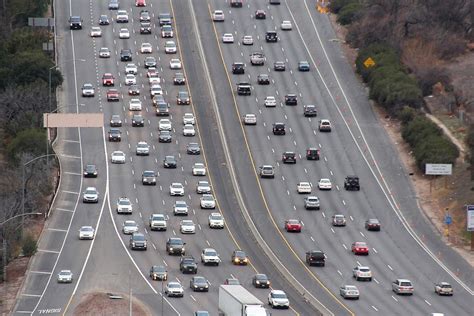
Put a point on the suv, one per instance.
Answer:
(115, 135)
(352, 183)
(124, 206)
(108, 79)
(175, 246)
(271, 36)
(291, 99)
(316, 258)
(244, 88)
(164, 18)
(257, 59)
(149, 177)
(157, 222)
(402, 286)
(162, 109)
(266, 171)
(126, 55)
(179, 79)
(263, 79)
(188, 265)
(279, 129)
(138, 241)
(238, 68)
(167, 31)
(145, 27)
(310, 110)
(75, 23)
(288, 157)
(312, 203)
(312, 153)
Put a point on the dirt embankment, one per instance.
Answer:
(95, 304)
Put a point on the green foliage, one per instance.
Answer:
(20, 10)
(419, 129)
(32, 141)
(381, 53)
(26, 39)
(348, 13)
(406, 114)
(336, 5)
(29, 246)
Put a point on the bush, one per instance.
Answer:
(406, 114)
(336, 5)
(348, 13)
(32, 141)
(29, 246)
(419, 129)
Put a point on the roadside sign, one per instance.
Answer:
(369, 62)
(470, 218)
(439, 169)
(448, 220)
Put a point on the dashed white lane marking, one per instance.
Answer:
(396, 300)
(64, 210)
(70, 192)
(40, 272)
(427, 302)
(344, 246)
(375, 308)
(58, 230)
(389, 267)
(47, 251)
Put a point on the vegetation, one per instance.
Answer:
(470, 144)
(29, 246)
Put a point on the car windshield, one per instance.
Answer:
(176, 242)
(240, 254)
(199, 280)
(174, 285)
(130, 224)
(149, 174)
(139, 237)
(279, 295)
(211, 253)
(446, 286)
(405, 284)
(216, 217)
(158, 217)
(351, 288)
(124, 202)
(261, 277)
(65, 273)
(180, 204)
(364, 269)
(90, 191)
(87, 229)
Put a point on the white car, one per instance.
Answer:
(216, 220)
(170, 47)
(199, 169)
(118, 157)
(143, 149)
(174, 289)
(88, 90)
(156, 89)
(104, 52)
(203, 187)
(349, 291)
(250, 119)
(135, 105)
(65, 276)
(176, 189)
(164, 125)
(247, 40)
(90, 195)
(227, 38)
(218, 16)
(278, 298)
(286, 26)
(208, 201)
(188, 118)
(124, 206)
(122, 16)
(124, 33)
(158, 222)
(362, 273)
(187, 226)
(210, 256)
(129, 227)
(188, 130)
(86, 232)
(270, 101)
(131, 69)
(180, 208)
(96, 31)
(325, 184)
(303, 187)
(175, 63)
(146, 48)
(154, 79)
(130, 79)
(325, 125)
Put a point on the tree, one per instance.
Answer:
(348, 13)
(31, 141)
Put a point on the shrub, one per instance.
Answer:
(32, 141)
(336, 5)
(29, 246)
(348, 13)
(419, 129)
(406, 114)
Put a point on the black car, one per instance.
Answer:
(310, 110)
(260, 15)
(193, 149)
(238, 68)
(263, 79)
(315, 258)
(179, 79)
(279, 129)
(372, 224)
(133, 90)
(289, 157)
(162, 109)
(145, 27)
(291, 99)
(279, 66)
(138, 120)
(126, 55)
(312, 153)
(199, 284)
(104, 20)
(150, 62)
(183, 98)
(352, 183)
(236, 3)
(90, 171)
(169, 162)
(244, 88)
(165, 137)
(261, 281)
(149, 177)
(239, 257)
(158, 98)
(175, 246)
(188, 265)
(158, 273)
(115, 135)
(115, 121)
(145, 16)
(271, 36)
(138, 241)
(303, 66)
(75, 22)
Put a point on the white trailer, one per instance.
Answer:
(235, 300)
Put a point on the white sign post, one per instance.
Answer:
(439, 169)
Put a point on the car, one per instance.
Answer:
(88, 90)
(218, 16)
(131, 69)
(271, 37)
(75, 23)
(165, 18)
(162, 108)
(146, 48)
(138, 241)
(188, 130)
(266, 171)
(236, 3)
(274, 1)
(207, 201)
(227, 38)
(203, 187)
(133, 90)
(124, 33)
(187, 226)
(244, 88)
(115, 135)
(199, 284)
(352, 183)
(156, 89)
(372, 224)
(170, 47)
(175, 246)
(216, 221)
(193, 149)
(140, 3)
(362, 273)
(260, 15)
(95, 31)
(164, 125)
(238, 68)
(130, 79)
(309, 110)
(86, 232)
(338, 220)
(174, 289)
(250, 119)
(293, 225)
(113, 95)
(278, 129)
(315, 258)
(159, 99)
(239, 258)
(303, 65)
(324, 184)
(188, 118)
(183, 98)
(210, 256)
(278, 299)
(263, 79)
(402, 286)
(115, 121)
(303, 187)
(312, 153)
(443, 288)
(114, 4)
(90, 195)
(142, 149)
(150, 61)
(261, 280)
(117, 156)
(232, 281)
(151, 72)
(157, 222)
(65, 276)
(158, 273)
(279, 66)
(108, 79)
(247, 40)
(324, 126)
(135, 104)
(180, 208)
(179, 79)
(176, 189)
(288, 157)
(360, 248)
(167, 31)
(312, 203)
(286, 25)
(257, 59)
(122, 16)
(149, 177)
(129, 227)
(199, 169)
(270, 101)
(145, 16)
(104, 52)
(165, 137)
(138, 120)
(349, 292)
(175, 63)
(145, 27)
(90, 171)
(124, 206)
(291, 99)
(169, 162)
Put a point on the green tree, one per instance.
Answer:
(29, 245)
(32, 141)
(348, 13)
(418, 130)
(336, 5)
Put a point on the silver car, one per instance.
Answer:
(65, 276)
(90, 195)
(349, 291)
(129, 227)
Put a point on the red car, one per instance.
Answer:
(140, 3)
(360, 248)
(293, 225)
(108, 79)
(113, 95)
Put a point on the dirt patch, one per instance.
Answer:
(94, 304)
